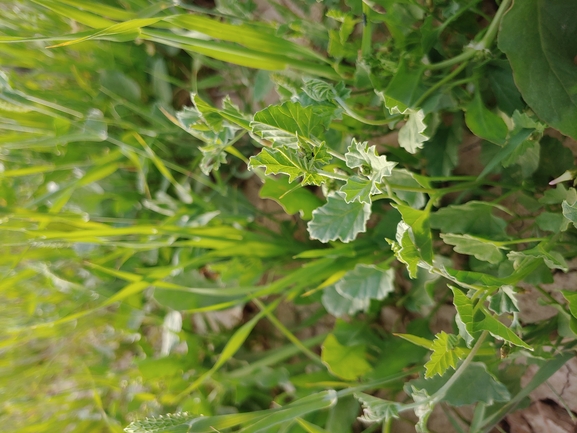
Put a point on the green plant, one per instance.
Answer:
(396, 227)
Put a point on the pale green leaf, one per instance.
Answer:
(346, 362)
(423, 410)
(366, 282)
(359, 189)
(411, 137)
(376, 409)
(405, 250)
(420, 231)
(570, 212)
(552, 259)
(375, 167)
(340, 306)
(287, 161)
(504, 301)
(445, 354)
(338, 219)
(482, 249)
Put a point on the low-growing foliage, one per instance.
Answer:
(420, 151)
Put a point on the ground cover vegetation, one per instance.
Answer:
(419, 154)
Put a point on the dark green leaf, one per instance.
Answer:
(538, 38)
(484, 123)
(474, 218)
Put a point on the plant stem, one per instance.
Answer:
(485, 42)
(364, 120)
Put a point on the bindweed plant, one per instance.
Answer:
(421, 153)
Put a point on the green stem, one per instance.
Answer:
(485, 43)
(440, 83)
(364, 120)
(336, 176)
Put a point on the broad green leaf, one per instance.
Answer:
(500, 77)
(552, 222)
(500, 331)
(376, 409)
(338, 219)
(537, 37)
(406, 87)
(555, 196)
(366, 282)
(474, 385)
(340, 306)
(514, 144)
(484, 123)
(504, 301)
(293, 200)
(445, 354)
(411, 137)
(571, 298)
(346, 362)
(482, 249)
(474, 218)
(418, 221)
(284, 124)
(464, 316)
(570, 212)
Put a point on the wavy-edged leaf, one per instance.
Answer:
(418, 221)
(445, 354)
(405, 250)
(376, 409)
(366, 282)
(339, 306)
(504, 301)
(359, 189)
(284, 124)
(538, 38)
(373, 166)
(346, 362)
(338, 219)
(482, 249)
(570, 212)
(411, 134)
(287, 161)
